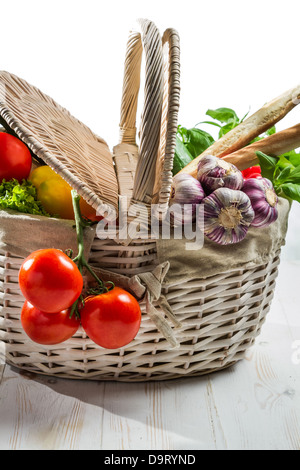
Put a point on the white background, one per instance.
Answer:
(233, 54)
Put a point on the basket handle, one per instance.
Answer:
(153, 176)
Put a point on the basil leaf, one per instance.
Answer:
(198, 141)
(283, 162)
(182, 156)
(267, 165)
(223, 115)
(195, 140)
(291, 190)
(283, 174)
(208, 122)
(182, 132)
(294, 175)
(293, 157)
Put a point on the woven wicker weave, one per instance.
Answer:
(220, 315)
(215, 335)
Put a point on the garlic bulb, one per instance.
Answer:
(264, 200)
(214, 173)
(227, 216)
(187, 193)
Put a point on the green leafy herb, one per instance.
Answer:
(226, 115)
(227, 118)
(195, 140)
(292, 191)
(181, 156)
(293, 157)
(20, 197)
(190, 143)
(284, 172)
(293, 175)
(267, 165)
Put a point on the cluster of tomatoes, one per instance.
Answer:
(51, 282)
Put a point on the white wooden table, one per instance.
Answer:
(252, 405)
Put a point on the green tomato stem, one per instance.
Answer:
(80, 225)
(80, 259)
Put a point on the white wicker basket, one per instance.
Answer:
(233, 307)
(220, 316)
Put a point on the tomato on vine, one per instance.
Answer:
(110, 316)
(111, 319)
(50, 280)
(52, 285)
(48, 328)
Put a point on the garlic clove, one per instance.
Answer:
(264, 200)
(227, 216)
(186, 193)
(214, 173)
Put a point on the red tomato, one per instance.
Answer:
(48, 328)
(88, 211)
(15, 158)
(111, 320)
(50, 280)
(252, 172)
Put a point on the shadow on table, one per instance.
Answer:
(169, 411)
(128, 394)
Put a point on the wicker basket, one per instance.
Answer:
(219, 316)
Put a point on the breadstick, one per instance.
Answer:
(252, 127)
(274, 145)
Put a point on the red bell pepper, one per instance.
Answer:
(252, 172)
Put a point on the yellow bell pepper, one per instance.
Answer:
(55, 194)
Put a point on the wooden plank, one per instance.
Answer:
(158, 415)
(37, 416)
(259, 399)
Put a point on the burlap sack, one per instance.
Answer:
(21, 234)
(258, 247)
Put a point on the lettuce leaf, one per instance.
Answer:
(20, 197)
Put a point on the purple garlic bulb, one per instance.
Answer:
(186, 193)
(227, 215)
(214, 173)
(264, 200)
